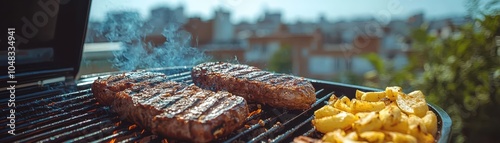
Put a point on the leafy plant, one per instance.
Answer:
(281, 61)
(460, 73)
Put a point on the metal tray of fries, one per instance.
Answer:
(341, 89)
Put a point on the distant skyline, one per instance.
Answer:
(291, 10)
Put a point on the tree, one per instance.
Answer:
(460, 73)
(281, 61)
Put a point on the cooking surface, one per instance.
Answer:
(57, 113)
(62, 113)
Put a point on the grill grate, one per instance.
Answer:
(50, 116)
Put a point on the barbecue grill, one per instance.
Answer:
(60, 113)
(53, 106)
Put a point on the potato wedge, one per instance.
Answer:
(400, 137)
(424, 138)
(342, 120)
(353, 136)
(343, 104)
(390, 115)
(340, 136)
(430, 122)
(387, 116)
(372, 136)
(418, 129)
(373, 96)
(366, 106)
(332, 99)
(334, 137)
(352, 141)
(370, 123)
(361, 115)
(413, 103)
(326, 111)
(393, 92)
(401, 127)
(359, 93)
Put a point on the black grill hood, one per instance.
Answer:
(49, 38)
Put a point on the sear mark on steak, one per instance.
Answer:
(255, 85)
(169, 108)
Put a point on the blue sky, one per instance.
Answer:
(292, 10)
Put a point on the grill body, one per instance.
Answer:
(62, 113)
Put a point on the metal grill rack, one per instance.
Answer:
(60, 113)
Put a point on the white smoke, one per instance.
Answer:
(136, 53)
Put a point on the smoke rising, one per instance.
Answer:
(139, 53)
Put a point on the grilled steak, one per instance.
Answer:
(169, 108)
(277, 90)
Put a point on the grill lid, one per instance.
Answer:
(49, 38)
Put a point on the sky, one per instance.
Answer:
(291, 10)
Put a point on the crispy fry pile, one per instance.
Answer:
(386, 116)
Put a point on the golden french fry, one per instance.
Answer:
(359, 94)
(343, 104)
(369, 123)
(373, 96)
(372, 136)
(326, 111)
(366, 106)
(430, 122)
(343, 120)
